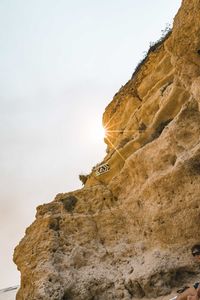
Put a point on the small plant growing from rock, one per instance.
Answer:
(160, 129)
(69, 203)
(142, 127)
(153, 46)
(194, 165)
(83, 178)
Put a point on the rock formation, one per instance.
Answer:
(127, 233)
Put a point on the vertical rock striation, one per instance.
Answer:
(127, 233)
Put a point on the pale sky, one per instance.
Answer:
(61, 62)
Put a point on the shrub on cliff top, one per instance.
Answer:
(83, 178)
(154, 46)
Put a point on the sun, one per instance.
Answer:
(97, 132)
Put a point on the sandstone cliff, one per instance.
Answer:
(127, 233)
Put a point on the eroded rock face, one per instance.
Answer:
(127, 233)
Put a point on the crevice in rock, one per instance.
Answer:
(163, 89)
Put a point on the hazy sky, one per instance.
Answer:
(61, 62)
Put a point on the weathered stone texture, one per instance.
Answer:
(127, 233)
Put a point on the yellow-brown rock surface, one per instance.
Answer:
(127, 233)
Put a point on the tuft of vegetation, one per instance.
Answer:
(69, 203)
(142, 127)
(66, 296)
(54, 224)
(83, 178)
(160, 129)
(153, 46)
(194, 165)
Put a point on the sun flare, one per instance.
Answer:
(96, 132)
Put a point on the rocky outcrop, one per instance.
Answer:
(127, 233)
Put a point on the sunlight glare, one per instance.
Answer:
(97, 133)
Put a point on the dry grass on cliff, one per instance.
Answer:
(153, 46)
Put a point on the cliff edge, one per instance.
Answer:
(127, 233)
